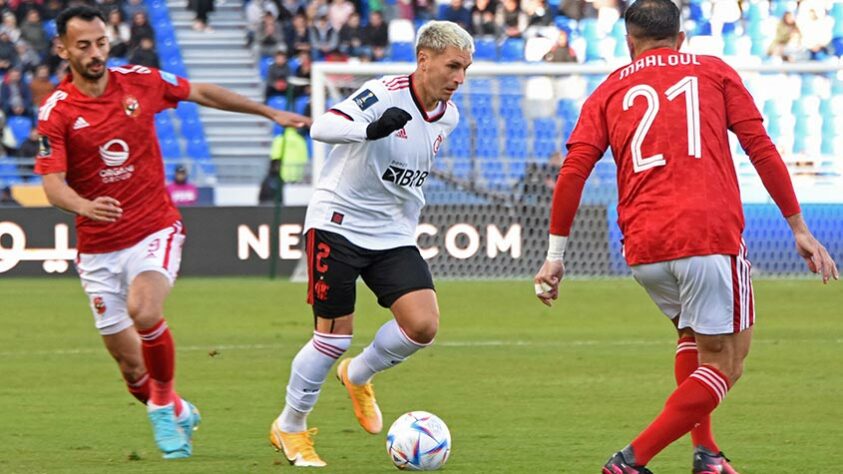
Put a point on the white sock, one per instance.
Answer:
(309, 369)
(389, 348)
(185, 410)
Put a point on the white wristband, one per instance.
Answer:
(556, 247)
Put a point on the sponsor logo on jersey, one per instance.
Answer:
(404, 177)
(44, 149)
(401, 134)
(131, 106)
(337, 218)
(99, 305)
(80, 123)
(169, 78)
(365, 99)
(115, 152)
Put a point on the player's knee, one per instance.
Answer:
(144, 314)
(424, 330)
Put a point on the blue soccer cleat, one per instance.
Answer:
(169, 436)
(190, 423)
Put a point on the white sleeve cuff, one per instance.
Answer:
(556, 247)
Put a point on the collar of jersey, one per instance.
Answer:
(442, 107)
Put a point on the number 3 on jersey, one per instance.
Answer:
(689, 86)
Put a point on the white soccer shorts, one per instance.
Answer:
(106, 276)
(711, 294)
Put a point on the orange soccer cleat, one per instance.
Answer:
(363, 399)
(297, 447)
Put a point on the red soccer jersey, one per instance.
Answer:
(107, 146)
(666, 117)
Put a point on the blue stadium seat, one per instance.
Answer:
(278, 102)
(163, 121)
(544, 128)
(403, 52)
(187, 111)
(170, 149)
(301, 104)
(20, 127)
(50, 28)
(483, 86)
(462, 169)
(567, 109)
(729, 28)
(264, 63)
(516, 148)
(493, 171)
(116, 62)
(9, 173)
(730, 40)
(837, 44)
(566, 24)
(197, 148)
(696, 11)
(191, 129)
(485, 50)
(543, 148)
(512, 50)
(165, 133)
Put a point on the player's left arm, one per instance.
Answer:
(214, 96)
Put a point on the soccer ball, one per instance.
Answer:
(418, 441)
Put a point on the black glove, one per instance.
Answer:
(392, 119)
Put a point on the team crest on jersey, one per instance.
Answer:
(437, 143)
(99, 305)
(320, 288)
(44, 149)
(365, 99)
(131, 106)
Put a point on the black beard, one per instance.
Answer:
(91, 76)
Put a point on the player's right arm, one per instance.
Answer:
(364, 115)
(62, 196)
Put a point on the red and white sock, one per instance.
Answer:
(687, 361)
(139, 388)
(159, 356)
(694, 399)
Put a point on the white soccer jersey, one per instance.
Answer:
(371, 192)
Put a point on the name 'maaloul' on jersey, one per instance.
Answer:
(371, 192)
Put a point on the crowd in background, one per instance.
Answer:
(30, 67)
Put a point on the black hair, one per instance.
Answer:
(652, 19)
(84, 12)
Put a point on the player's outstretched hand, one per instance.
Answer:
(392, 119)
(103, 209)
(547, 281)
(289, 119)
(816, 256)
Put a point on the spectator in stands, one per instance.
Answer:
(41, 86)
(459, 14)
(294, 7)
(512, 20)
(28, 149)
(24, 6)
(303, 72)
(376, 35)
(119, 34)
(53, 60)
(6, 198)
(276, 77)
(28, 58)
(578, 9)
(787, 44)
(271, 184)
(538, 13)
(15, 96)
(316, 9)
(254, 12)
(52, 9)
(140, 29)
(816, 28)
(8, 54)
(10, 26)
(339, 12)
(145, 55)
(561, 52)
(483, 18)
(182, 192)
(423, 9)
(351, 37)
(202, 8)
(324, 39)
(290, 149)
(298, 37)
(5, 8)
(133, 6)
(270, 37)
(539, 180)
(108, 6)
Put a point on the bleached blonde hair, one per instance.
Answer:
(439, 35)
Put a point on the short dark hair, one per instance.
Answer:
(652, 19)
(82, 11)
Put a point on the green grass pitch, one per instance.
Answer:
(523, 388)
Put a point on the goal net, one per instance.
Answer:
(489, 193)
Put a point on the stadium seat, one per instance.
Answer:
(401, 31)
(278, 102)
(9, 173)
(512, 50)
(187, 111)
(197, 148)
(402, 52)
(50, 28)
(116, 62)
(191, 129)
(264, 63)
(300, 106)
(485, 50)
(20, 127)
(170, 149)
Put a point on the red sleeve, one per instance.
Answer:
(52, 154)
(170, 88)
(591, 127)
(769, 164)
(740, 105)
(566, 196)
